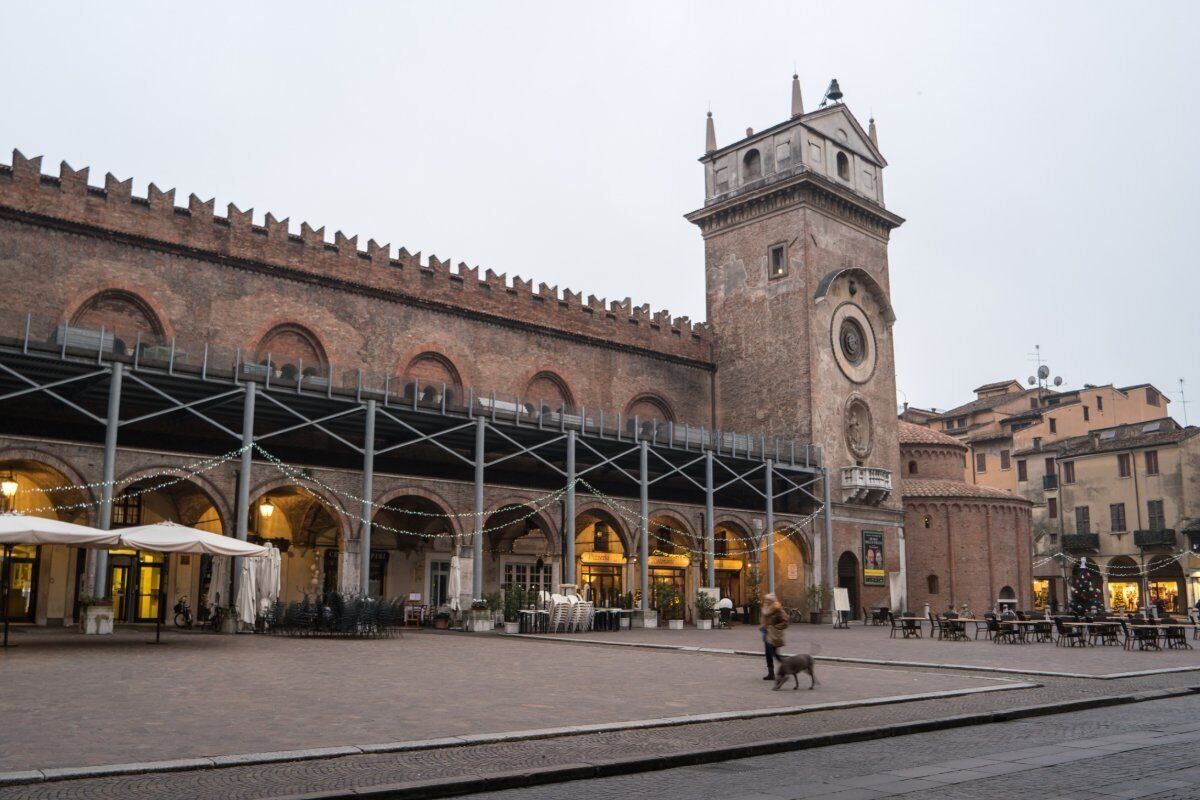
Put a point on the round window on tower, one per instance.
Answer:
(852, 340)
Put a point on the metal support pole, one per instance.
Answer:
(4, 580)
(828, 525)
(644, 512)
(903, 571)
(477, 539)
(243, 487)
(569, 523)
(709, 535)
(100, 576)
(770, 532)
(368, 492)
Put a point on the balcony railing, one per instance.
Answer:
(1160, 538)
(1049, 481)
(1076, 542)
(866, 484)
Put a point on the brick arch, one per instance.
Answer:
(455, 523)
(868, 281)
(651, 401)
(627, 536)
(691, 539)
(552, 531)
(290, 342)
(548, 386)
(431, 369)
(201, 482)
(90, 513)
(345, 522)
(121, 309)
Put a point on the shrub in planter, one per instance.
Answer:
(818, 595)
(441, 620)
(705, 608)
(514, 600)
(669, 603)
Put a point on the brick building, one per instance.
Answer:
(375, 411)
(967, 543)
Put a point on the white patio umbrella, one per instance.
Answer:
(454, 589)
(170, 537)
(266, 577)
(247, 594)
(18, 529)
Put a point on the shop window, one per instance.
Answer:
(1123, 465)
(1154, 510)
(932, 582)
(1151, 462)
(1116, 512)
(1164, 594)
(1083, 519)
(1022, 470)
(1123, 595)
(1041, 593)
(1068, 469)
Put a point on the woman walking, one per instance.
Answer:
(774, 621)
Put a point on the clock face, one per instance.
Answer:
(853, 342)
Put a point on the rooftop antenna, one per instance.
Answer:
(1042, 377)
(1183, 401)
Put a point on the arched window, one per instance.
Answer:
(292, 350)
(123, 316)
(843, 166)
(912, 468)
(927, 520)
(430, 372)
(751, 166)
(550, 392)
(932, 581)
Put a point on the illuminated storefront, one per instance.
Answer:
(1041, 593)
(21, 598)
(601, 561)
(1124, 595)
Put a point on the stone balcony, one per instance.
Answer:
(1081, 542)
(1159, 538)
(868, 485)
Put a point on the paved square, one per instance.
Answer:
(871, 642)
(69, 700)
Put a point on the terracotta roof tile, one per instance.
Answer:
(937, 487)
(919, 434)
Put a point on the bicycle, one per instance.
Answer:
(183, 613)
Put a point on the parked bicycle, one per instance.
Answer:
(183, 613)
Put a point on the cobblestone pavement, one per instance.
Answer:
(874, 642)
(345, 773)
(1146, 750)
(68, 701)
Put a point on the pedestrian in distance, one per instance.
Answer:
(774, 620)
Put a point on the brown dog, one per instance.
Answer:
(793, 666)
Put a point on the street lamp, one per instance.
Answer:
(8, 488)
(266, 509)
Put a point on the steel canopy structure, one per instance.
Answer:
(200, 405)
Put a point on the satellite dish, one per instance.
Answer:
(1058, 380)
(1043, 372)
(1032, 380)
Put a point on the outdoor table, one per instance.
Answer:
(911, 626)
(956, 628)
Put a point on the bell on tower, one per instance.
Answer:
(832, 94)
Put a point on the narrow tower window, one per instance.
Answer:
(843, 166)
(777, 260)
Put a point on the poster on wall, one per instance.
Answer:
(872, 558)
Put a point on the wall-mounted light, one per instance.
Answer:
(266, 509)
(8, 485)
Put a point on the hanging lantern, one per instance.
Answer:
(266, 509)
(8, 485)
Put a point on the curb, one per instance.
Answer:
(249, 759)
(876, 662)
(470, 784)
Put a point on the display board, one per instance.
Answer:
(872, 558)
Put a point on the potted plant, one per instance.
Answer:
(441, 620)
(480, 619)
(626, 605)
(514, 601)
(705, 607)
(818, 594)
(97, 615)
(644, 618)
(670, 603)
(753, 596)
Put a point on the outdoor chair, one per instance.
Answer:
(935, 630)
(1006, 632)
(1145, 634)
(1195, 626)
(1042, 631)
(989, 626)
(1104, 634)
(1070, 636)
(1175, 637)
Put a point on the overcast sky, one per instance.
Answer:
(1044, 154)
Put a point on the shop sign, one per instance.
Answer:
(677, 562)
(599, 557)
(733, 564)
(872, 558)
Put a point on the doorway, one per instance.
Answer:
(135, 581)
(21, 600)
(439, 584)
(847, 578)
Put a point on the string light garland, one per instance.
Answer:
(69, 487)
(1118, 571)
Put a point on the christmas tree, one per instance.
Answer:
(1085, 590)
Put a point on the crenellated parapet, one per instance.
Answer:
(197, 229)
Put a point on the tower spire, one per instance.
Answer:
(797, 100)
(871, 132)
(710, 135)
